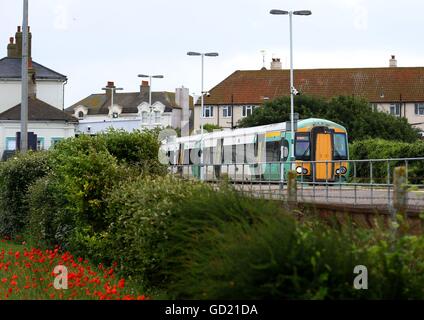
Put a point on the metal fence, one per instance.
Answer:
(366, 182)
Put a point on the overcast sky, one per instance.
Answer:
(95, 41)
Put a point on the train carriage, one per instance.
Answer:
(263, 153)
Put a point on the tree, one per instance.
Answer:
(355, 114)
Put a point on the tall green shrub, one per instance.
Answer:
(16, 175)
(139, 213)
(384, 149)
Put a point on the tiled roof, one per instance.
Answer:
(374, 84)
(100, 103)
(10, 68)
(37, 111)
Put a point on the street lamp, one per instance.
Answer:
(203, 55)
(292, 88)
(113, 89)
(150, 90)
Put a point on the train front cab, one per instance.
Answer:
(321, 153)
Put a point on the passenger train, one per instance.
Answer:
(263, 153)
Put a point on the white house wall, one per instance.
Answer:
(50, 92)
(45, 130)
(10, 94)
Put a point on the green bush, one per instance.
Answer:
(136, 148)
(383, 149)
(140, 213)
(50, 221)
(16, 175)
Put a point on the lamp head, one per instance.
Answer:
(276, 11)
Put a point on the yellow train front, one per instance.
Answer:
(321, 151)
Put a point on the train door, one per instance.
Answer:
(323, 151)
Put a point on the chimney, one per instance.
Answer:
(111, 85)
(11, 48)
(144, 88)
(32, 84)
(18, 40)
(393, 62)
(276, 64)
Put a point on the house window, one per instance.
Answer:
(248, 111)
(40, 144)
(55, 141)
(419, 109)
(144, 117)
(374, 107)
(10, 144)
(81, 115)
(208, 112)
(157, 117)
(115, 115)
(227, 111)
(395, 109)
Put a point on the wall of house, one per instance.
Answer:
(129, 122)
(46, 131)
(410, 113)
(418, 120)
(223, 122)
(10, 94)
(50, 92)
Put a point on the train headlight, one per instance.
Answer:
(341, 170)
(301, 170)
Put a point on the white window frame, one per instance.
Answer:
(144, 117)
(419, 109)
(158, 117)
(394, 108)
(247, 111)
(227, 111)
(208, 112)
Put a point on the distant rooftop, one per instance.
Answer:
(10, 68)
(377, 85)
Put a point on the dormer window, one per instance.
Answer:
(115, 115)
(80, 115)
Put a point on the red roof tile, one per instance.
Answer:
(374, 84)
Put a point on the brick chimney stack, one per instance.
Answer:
(14, 48)
(276, 64)
(144, 88)
(393, 62)
(32, 83)
(110, 85)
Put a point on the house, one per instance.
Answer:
(396, 90)
(47, 122)
(131, 110)
(50, 84)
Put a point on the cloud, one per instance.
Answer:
(61, 14)
(360, 12)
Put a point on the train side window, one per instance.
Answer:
(284, 150)
(250, 153)
(273, 151)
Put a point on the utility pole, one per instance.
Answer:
(24, 79)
